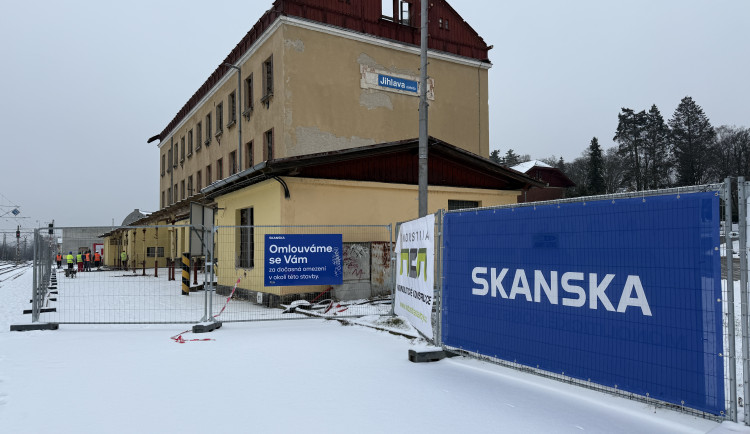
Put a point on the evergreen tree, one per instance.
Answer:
(511, 158)
(656, 160)
(495, 156)
(630, 136)
(560, 164)
(595, 169)
(692, 138)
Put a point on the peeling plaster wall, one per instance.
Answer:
(373, 99)
(311, 140)
(327, 108)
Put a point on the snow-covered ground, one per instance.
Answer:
(309, 375)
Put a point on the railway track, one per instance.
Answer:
(11, 271)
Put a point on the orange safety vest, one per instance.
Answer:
(59, 257)
(88, 257)
(97, 257)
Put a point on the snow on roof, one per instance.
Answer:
(525, 167)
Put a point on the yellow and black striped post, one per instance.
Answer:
(186, 274)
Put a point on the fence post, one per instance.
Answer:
(394, 268)
(206, 288)
(730, 354)
(210, 263)
(36, 266)
(439, 277)
(742, 226)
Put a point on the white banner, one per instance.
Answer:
(415, 251)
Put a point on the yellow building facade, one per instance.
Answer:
(308, 87)
(307, 127)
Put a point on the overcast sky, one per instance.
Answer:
(84, 84)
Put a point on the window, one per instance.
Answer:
(208, 129)
(232, 162)
(169, 160)
(182, 150)
(219, 169)
(386, 12)
(248, 96)
(405, 13)
(162, 199)
(268, 145)
(190, 143)
(174, 191)
(249, 155)
(176, 156)
(446, 24)
(198, 181)
(267, 81)
(246, 239)
(190, 186)
(169, 195)
(232, 109)
(163, 163)
(198, 136)
(462, 204)
(219, 118)
(155, 252)
(208, 175)
(182, 190)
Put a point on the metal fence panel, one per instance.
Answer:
(367, 281)
(143, 287)
(623, 292)
(150, 284)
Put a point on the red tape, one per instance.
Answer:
(180, 340)
(228, 298)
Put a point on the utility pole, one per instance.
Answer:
(423, 115)
(18, 243)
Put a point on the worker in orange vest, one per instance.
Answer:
(87, 261)
(97, 260)
(58, 258)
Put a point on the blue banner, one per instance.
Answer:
(624, 293)
(398, 83)
(303, 259)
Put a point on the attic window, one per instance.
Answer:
(405, 13)
(446, 24)
(386, 11)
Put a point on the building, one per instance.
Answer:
(319, 131)
(554, 181)
(83, 239)
(326, 75)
